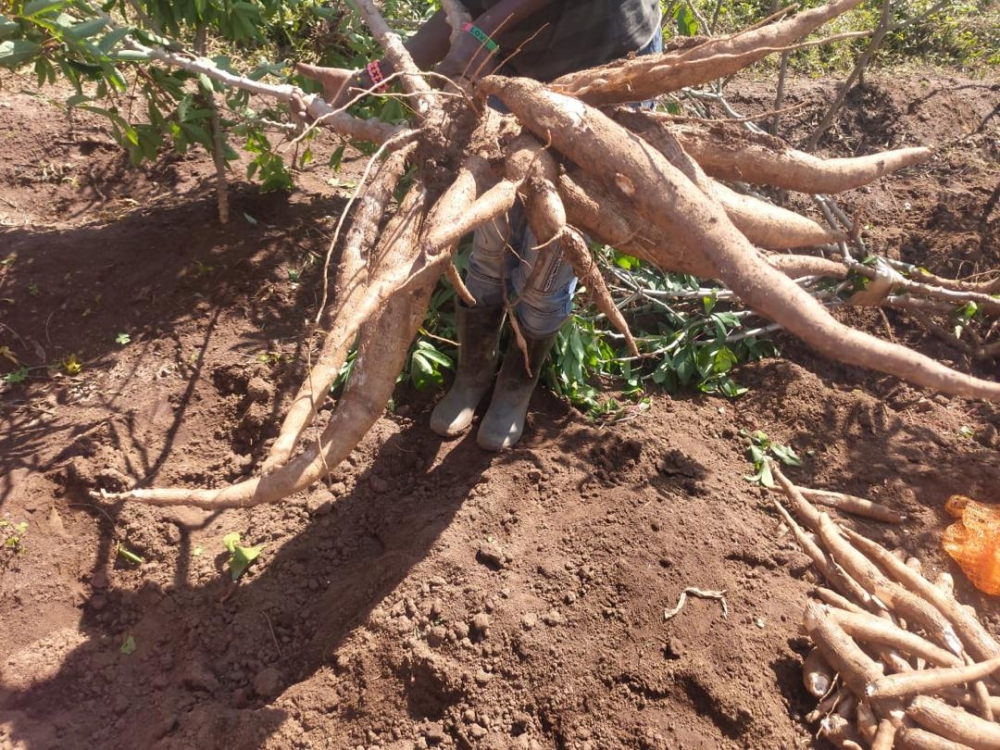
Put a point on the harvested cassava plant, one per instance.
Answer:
(642, 183)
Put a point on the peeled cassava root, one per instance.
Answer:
(642, 183)
(907, 671)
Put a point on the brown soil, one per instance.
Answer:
(429, 594)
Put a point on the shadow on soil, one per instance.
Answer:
(190, 680)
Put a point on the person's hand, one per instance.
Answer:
(339, 85)
(469, 59)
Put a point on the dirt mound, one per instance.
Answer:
(429, 594)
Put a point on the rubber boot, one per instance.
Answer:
(478, 351)
(504, 421)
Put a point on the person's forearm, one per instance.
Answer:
(431, 43)
(428, 46)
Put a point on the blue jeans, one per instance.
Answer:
(506, 249)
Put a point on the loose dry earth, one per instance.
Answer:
(429, 594)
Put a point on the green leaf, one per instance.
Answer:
(8, 28)
(129, 646)
(968, 310)
(41, 7)
(45, 71)
(725, 359)
(730, 388)
(128, 55)
(433, 354)
(109, 40)
(89, 70)
(336, 158)
(766, 478)
(687, 24)
(17, 376)
(241, 559)
(231, 541)
(86, 29)
(786, 455)
(422, 372)
(116, 78)
(13, 52)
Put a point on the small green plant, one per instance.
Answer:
(759, 447)
(267, 164)
(272, 359)
(12, 535)
(14, 377)
(123, 339)
(426, 364)
(239, 557)
(33, 289)
(128, 646)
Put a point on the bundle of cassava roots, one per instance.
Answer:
(647, 184)
(897, 661)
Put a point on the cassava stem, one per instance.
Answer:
(929, 680)
(870, 629)
(953, 723)
(972, 633)
(858, 506)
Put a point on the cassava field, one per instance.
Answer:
(428, 594)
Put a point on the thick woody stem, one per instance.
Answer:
(412, 78)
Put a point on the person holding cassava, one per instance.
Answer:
(540, 39)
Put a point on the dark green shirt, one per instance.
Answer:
(570, 35)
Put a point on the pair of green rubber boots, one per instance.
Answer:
(479, 350)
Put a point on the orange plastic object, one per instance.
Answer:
(974, 541)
